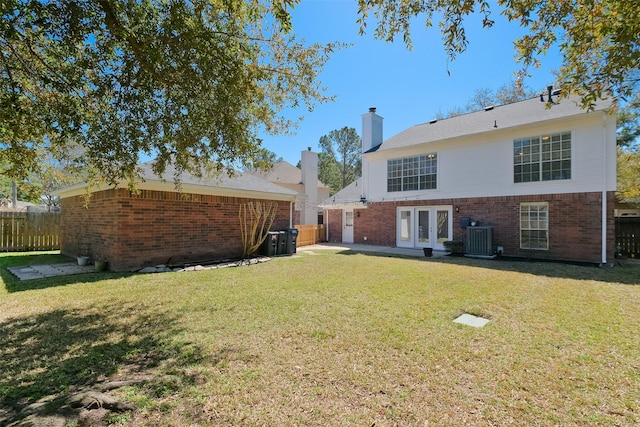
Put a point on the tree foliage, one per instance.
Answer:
(97, 83)
(263, 160)
(598, 40)
(483, 98)
(628, 120)
(628, 170)
(628, 161)
(339, 161)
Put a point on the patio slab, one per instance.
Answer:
(42, 271)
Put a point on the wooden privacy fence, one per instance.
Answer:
(29, 231)
(628, 235)
(309, 234)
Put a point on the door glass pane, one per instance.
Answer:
(423, 226)
(405, 226)
(348, 218)
(443, 226)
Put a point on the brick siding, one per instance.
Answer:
(334, 223)
(574, 223)
(155, 227)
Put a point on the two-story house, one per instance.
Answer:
(533, 179)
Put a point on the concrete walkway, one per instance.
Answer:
(49, 270)
(418, 253)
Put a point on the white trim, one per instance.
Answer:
(344, 225)
(414, 226)
(81, 189)
(291, 214)
(604, 190)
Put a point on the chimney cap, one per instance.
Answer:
(372, 109)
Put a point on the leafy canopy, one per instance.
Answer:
(339, 161)
(97, 83)
(482, 98)
(598, 40)
(628, 138)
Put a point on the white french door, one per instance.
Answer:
(424, 226)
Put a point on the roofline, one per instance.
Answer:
(580, 116)
(341, 205)
(156, 185)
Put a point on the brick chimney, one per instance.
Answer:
(371, 130)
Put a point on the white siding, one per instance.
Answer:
(482, 165)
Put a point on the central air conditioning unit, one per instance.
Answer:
(480, 241)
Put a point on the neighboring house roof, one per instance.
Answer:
(238, 185)
(506, 116)
(7, 205)
(283, 172)
(349, 196)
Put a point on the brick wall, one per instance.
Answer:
(574, 223)
(155, 227)
(334, 223)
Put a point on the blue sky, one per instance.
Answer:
(406, 87)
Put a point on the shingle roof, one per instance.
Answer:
(240, 181)
(506, 116)
(238, 185)
(285, 173)
(349, 195)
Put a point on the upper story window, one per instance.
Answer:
(412, 173)
(542, 158)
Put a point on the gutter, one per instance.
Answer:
(603, 197)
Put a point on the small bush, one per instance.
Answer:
(454, 247)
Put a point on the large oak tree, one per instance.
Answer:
(598, 39)
(95, 83)
(98, 83)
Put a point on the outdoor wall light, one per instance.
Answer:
(363, 200)
(457, 209)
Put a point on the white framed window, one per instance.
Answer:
(534, 226)
(412, 173)
(542, 158)
(348, 218)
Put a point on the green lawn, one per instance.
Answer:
(330, 338)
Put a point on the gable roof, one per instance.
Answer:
(238, 185)
(239, 181)
(349, 196)
(283, 172)
(506, 116)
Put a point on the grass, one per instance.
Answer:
(333, 339)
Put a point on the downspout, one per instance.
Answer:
(291, 214)
(326, 225)
(604, 189)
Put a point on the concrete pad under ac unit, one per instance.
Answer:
(471, 320)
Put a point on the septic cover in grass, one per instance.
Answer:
(471, 320)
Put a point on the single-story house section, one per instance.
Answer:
(159, 225)
(524, 180)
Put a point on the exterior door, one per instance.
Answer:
(347, 226)
(424, 227)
